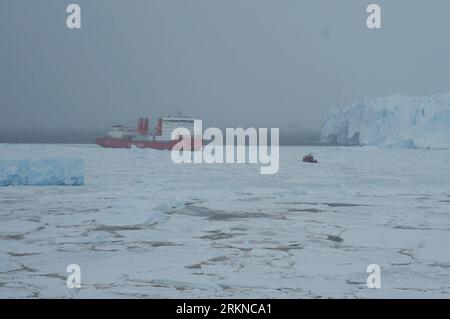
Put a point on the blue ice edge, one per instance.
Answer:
(45, 172)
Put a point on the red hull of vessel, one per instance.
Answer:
(159, 145)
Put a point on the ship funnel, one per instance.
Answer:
(146, 126)
(159, 127)
(141, 125)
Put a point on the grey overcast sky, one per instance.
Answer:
(264, 63)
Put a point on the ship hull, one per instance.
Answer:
(111, 142)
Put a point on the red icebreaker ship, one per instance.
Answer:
(120, 136)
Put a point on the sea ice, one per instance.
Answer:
(145, 227)
(47, 172)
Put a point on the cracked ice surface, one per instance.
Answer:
(142, 226)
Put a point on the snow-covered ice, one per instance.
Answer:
(43, 172)
(396, 121)
(141, 226)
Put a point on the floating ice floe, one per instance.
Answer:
(46, 172)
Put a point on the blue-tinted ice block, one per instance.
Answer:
(46, 172)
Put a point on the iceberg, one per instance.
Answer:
(46, 172)
(396, 121)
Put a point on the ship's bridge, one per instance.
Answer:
(166, 125)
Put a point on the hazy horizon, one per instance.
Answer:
(231, 63)
(88, 136)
